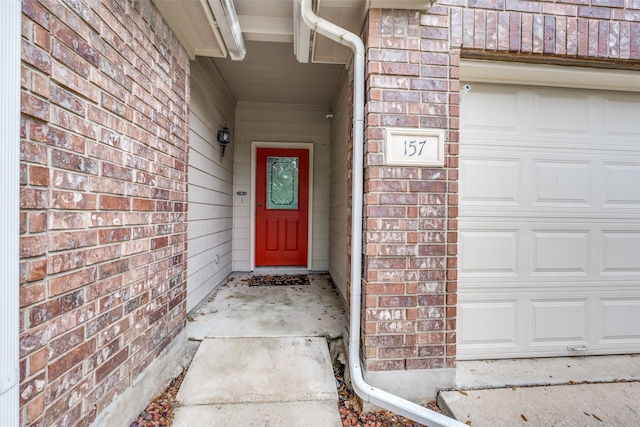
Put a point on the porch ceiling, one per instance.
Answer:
(271, 73)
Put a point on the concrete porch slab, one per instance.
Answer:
(238, 310)
(247, 370)
(603, 405)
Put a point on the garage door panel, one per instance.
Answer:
(549, 226)
(490, 252)
(621, 116)
(573, 121)
(621, 253)
(622, 184)
(488, 99)
(620, 321)
(558, 322)
(560, 252)
(480, 330)
(565, 183)
(491, 181)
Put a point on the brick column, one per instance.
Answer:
(410, 235)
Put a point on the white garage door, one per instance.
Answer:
(549, 228)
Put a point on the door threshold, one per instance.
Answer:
(280, 270)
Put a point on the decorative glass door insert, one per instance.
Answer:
(282, 183)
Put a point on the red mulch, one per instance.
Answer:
(351, 410)
(160, 411)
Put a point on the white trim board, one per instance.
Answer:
(288, 145)
(519, 73)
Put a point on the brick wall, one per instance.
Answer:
(595, 30)
(103, 202)
(410, 238)
(410, 235)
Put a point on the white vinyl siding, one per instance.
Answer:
(265, 122)
(210, 183)
(549, 228)
(339, 214)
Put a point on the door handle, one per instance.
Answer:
(259, 204)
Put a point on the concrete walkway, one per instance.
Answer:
(263, 360)
(550, 392)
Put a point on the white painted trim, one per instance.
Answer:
(289, 145)
(10, 14)
(548, 75)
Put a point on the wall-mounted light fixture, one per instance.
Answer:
(224, 138)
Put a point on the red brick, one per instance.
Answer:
(40, 84)
(111, 364)
(68, 141)
(35, 11)
(33, 339)
(104, 287)
(69, 282)
(66, 220)
(397, 301)
(72, 240)
(64, 383)
(32, 293)
(114, 267)
(29, 389)
(72, 200)
(68, 101)
(37, 222)
(33, 106)
(37, 57)
(52, 308)
(101, 254)
(74, 42)
(118, 172)
(73, 162)
(65, 343)
(37, 270)
(38, 175)
(72, 358)
(103, 321)
(38, 360)
(31, 246)
(73, 81)
(34, 153)
(69, 120)
(114, 203)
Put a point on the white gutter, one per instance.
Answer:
(229, 26)
(365, 391)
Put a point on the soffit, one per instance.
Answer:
(271, 73)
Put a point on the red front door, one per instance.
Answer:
(282, 207)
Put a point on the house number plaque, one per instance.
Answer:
(414, 147)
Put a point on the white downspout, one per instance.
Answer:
(10, 13)
(365, 391)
